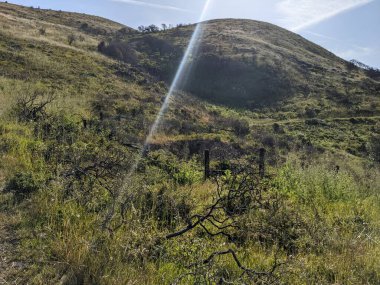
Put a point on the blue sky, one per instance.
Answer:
(349, 28)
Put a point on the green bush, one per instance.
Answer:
(182, 172)
(22, 184)
(188, 173)
(241, 127)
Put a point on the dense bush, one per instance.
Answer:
(269, 140)
(277, 128)
(22, 184)
(119, 50)
(240, 127)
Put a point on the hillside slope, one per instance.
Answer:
(252, 64)
(274, 76)
(80, 203)
(32, 16)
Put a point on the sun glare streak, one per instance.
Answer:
(181, 73)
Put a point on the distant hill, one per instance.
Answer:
(87, 23)
(247, 63)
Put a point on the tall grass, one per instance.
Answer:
(337, 243)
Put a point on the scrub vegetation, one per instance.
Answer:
(78, 95)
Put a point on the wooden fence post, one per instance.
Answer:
(262, 162)
(207, 164)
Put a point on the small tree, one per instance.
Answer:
(153, 28)
(141, 29)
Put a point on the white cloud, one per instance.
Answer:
(320, 35)
(356, 52)
(299, 14)
(152, 5)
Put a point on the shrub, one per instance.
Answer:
(315, 122)
(119, 50)
(42, 31)
(71, 39)
(84, 26)
(277, 128)
(269, 140)
(31, 106)
(310, 113)
(22, 184)
(241, 127)
(187, 174)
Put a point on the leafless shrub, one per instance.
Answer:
(239, 197)
(31, 106)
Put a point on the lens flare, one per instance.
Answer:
(180, 75)
(181, 72)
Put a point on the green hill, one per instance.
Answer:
(264, 65)
(81, 203)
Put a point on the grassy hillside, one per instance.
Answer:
(268, 76)
(265, 65)
(72, 125)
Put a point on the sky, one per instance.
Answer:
(348, 28)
